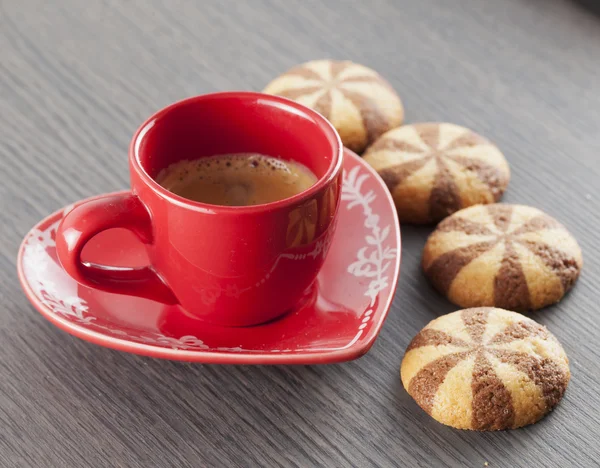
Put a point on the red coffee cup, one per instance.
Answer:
(232, 266)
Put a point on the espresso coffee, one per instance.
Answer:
(240, 179)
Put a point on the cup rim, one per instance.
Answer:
(332, 171)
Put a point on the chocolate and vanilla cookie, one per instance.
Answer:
(509, 256)
(485, 369)
(358, 102)
(436, 169)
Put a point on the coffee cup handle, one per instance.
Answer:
(91, 218)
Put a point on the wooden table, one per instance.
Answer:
(76, 78)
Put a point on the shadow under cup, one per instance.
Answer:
(238, 266)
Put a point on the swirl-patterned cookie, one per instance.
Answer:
(485, 369)
(436, 169)
(358, 102)
(509, 256)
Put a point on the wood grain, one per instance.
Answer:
(76, 78)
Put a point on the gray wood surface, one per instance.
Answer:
(76, 78)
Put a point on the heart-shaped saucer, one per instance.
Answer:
(338, 320)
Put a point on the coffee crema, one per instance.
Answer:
(238, 179)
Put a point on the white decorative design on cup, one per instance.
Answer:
(374, 259)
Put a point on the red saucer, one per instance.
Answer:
(338, 320)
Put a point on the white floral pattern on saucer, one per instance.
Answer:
(338, 321)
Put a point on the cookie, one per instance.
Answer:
(485, 369)
(358, 102)
(509, 256)
(436, 169)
